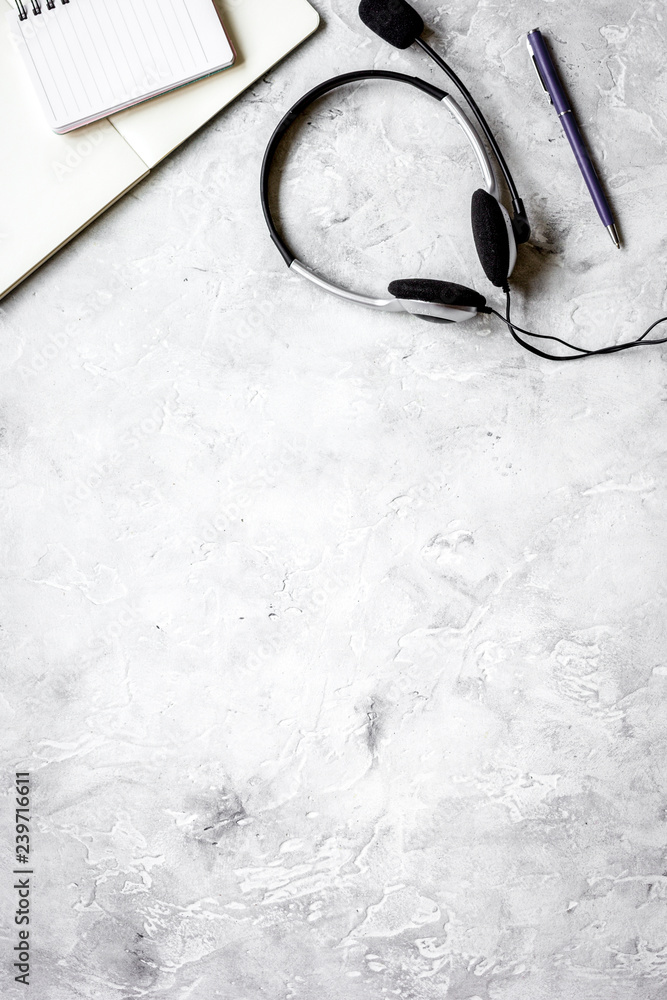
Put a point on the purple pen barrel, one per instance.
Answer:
(586, 166)
(551, 83)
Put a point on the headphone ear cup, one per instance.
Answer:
(492, 240)
(448, 293)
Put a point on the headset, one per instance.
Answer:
(496, 234)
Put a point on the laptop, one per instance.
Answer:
(52, 186)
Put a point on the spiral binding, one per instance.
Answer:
(36, 7)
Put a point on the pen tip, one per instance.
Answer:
(613, 232)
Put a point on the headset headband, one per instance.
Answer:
(385, 304)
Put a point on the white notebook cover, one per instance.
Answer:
(52, 186)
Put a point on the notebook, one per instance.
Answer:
(91, 58)
(52, 186)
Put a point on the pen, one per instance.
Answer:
(551, 83)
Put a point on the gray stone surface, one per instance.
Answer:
(335, 642)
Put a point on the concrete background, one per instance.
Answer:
(335, 642)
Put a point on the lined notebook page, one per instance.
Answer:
(90, 58)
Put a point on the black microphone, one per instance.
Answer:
(395, 21)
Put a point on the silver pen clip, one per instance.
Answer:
(539, 75)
